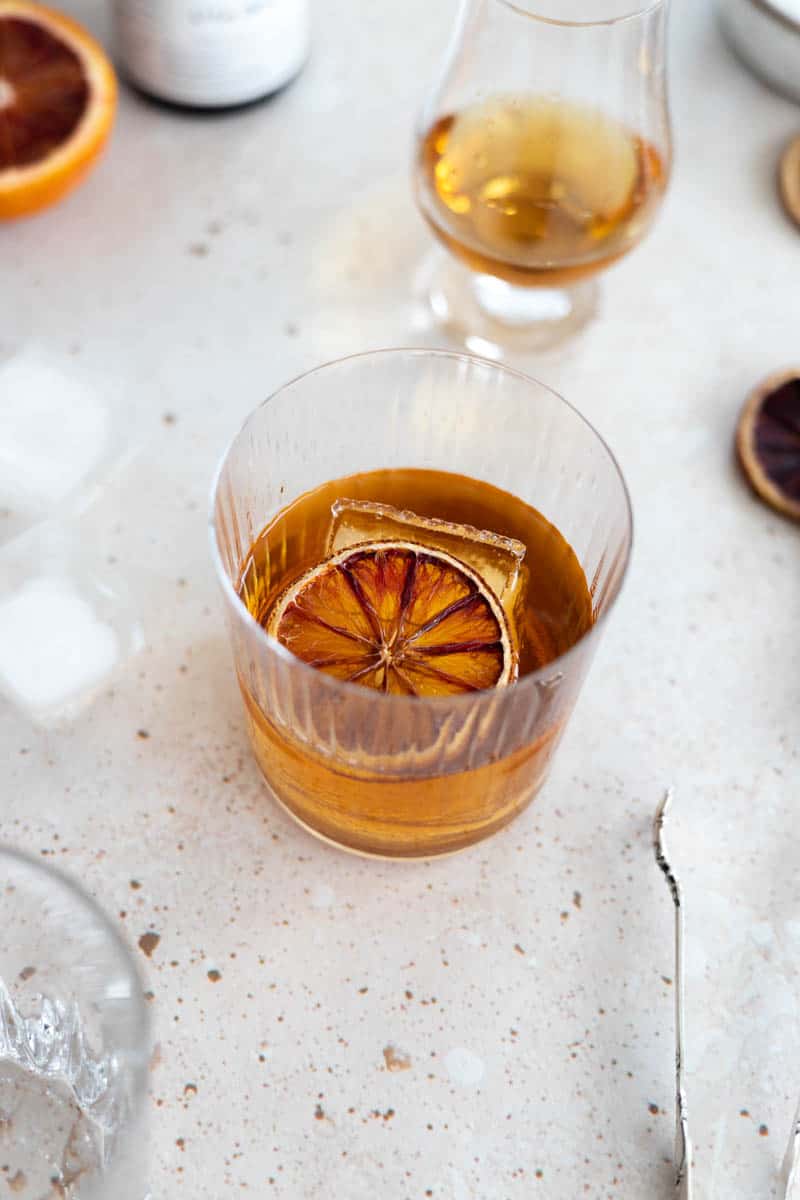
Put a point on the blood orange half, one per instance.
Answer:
(398, 618)
(57, 101)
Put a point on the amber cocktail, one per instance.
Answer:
(417, 550)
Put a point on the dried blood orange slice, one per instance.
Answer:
(399, 618)
(57, 102)
(768, 441)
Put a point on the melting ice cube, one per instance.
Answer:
(495, 558)
(53, 647)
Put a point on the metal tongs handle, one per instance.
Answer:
(683, 1142)
(790, 1177)
(791, 1164)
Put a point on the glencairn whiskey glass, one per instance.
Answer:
(542, 157)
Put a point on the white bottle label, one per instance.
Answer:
(212, 52)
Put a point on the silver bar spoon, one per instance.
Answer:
(683, 1143)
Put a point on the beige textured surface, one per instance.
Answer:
(205, 262)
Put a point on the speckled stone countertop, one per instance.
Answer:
(524, 985)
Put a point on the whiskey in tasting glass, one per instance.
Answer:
(543, 155)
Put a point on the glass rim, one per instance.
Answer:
(771, 9)
(525, 683)
(526, 8)
(61, 879)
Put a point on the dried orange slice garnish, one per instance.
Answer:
(768, 441)
(399, 618)
(58, 96)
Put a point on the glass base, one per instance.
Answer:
(493, 318)
(356, 851)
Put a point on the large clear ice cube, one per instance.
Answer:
(52, 645)
(54, 432)
(66, 623)
(497, 559)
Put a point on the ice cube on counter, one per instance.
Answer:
(53, 646)
(54, 430)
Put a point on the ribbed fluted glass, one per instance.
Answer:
(321, 743)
